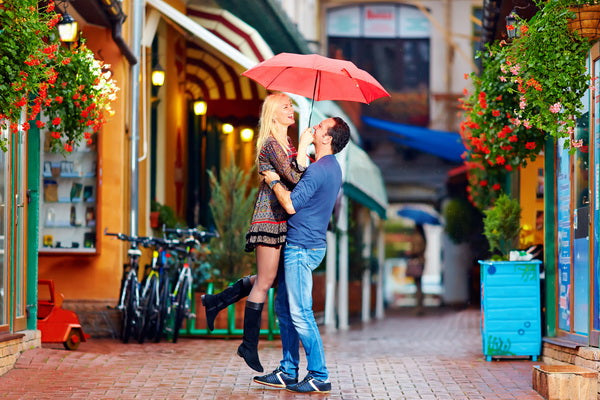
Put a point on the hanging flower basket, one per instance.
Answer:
(586, 21)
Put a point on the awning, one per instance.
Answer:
(446, 145)
(363, 182)
(216, 44)
(271, 21)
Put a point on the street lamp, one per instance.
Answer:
(512, 25)
(158, 75)
(67, 28)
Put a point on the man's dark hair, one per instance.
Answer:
(340, 133)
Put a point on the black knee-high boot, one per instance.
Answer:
(213, 303)
(248, 350)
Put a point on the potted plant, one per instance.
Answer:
(41, 76)
(510, 290)
(501, 226)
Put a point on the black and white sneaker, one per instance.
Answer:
(277, 379)
(310, 385)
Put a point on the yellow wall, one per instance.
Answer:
(532, 204)
(98, 276)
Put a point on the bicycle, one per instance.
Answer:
(129, 298)
(181, 298)
(155, 298)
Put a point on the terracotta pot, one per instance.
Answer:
(586, 21)
(154, 221)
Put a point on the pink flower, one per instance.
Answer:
(555, 108)
(502, 78)
(527, 123)
(577, 143)
(515, 69)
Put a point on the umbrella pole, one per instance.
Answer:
(313, 97)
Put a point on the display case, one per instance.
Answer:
(68, 206)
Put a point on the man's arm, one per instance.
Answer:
(283, 195)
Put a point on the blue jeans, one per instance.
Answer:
(294, 311)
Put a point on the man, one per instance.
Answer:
(310, 205)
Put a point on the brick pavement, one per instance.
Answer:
(403, 357)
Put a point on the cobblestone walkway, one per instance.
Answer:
(437, 356)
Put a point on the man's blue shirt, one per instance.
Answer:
(313, 199)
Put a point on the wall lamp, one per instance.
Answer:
(67, 28)
(512, 25)
(200, 107)
(246, 134)
(227, 129)
(158, 75)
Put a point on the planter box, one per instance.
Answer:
(510, 309)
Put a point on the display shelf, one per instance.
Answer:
(68, 207)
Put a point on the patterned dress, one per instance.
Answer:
(269, 220)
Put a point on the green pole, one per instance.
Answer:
(549, 239)
(33, 206)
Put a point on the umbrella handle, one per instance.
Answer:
(313, 97)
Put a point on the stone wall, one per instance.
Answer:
(98, 318)
(12, 345)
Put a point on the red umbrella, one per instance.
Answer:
(316, 77)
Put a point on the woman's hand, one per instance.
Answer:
(307, 137)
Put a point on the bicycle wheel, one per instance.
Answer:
(163, 308)
(183, 305)
(128, 316)
(150, 311)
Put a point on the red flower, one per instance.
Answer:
(496, 113)
(508, 167)
(55, 135)
(56, 121)
(496, 186)
(500, 160)
(483, 183)
(530, 145)
(58, 99)
(513, 139)
(40, 124)
(68, 147)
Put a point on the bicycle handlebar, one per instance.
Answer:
(134, 240)
(202, 236)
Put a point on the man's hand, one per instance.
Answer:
(270, 176)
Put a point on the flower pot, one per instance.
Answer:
(154, 220)
(586, 21)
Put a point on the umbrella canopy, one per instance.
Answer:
(316, 77)
(419, 216)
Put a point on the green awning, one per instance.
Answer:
(271, 21)
(363, 182)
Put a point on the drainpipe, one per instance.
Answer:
(117, 36)
(138, 10)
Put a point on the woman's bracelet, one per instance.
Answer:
(273, 183)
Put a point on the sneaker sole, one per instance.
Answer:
(274, 385)
(313, 392)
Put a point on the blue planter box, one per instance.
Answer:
(510, 308)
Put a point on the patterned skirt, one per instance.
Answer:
(269, 222)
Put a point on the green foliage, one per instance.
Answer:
(231, 205)
(529, 90)
(460, 220)
(501, 225)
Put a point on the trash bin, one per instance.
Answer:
(510, 309)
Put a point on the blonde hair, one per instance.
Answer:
(266, 124)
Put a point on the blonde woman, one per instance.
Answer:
(268, 228)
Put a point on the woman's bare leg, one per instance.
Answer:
(267, 262)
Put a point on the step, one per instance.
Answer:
(565, 382)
